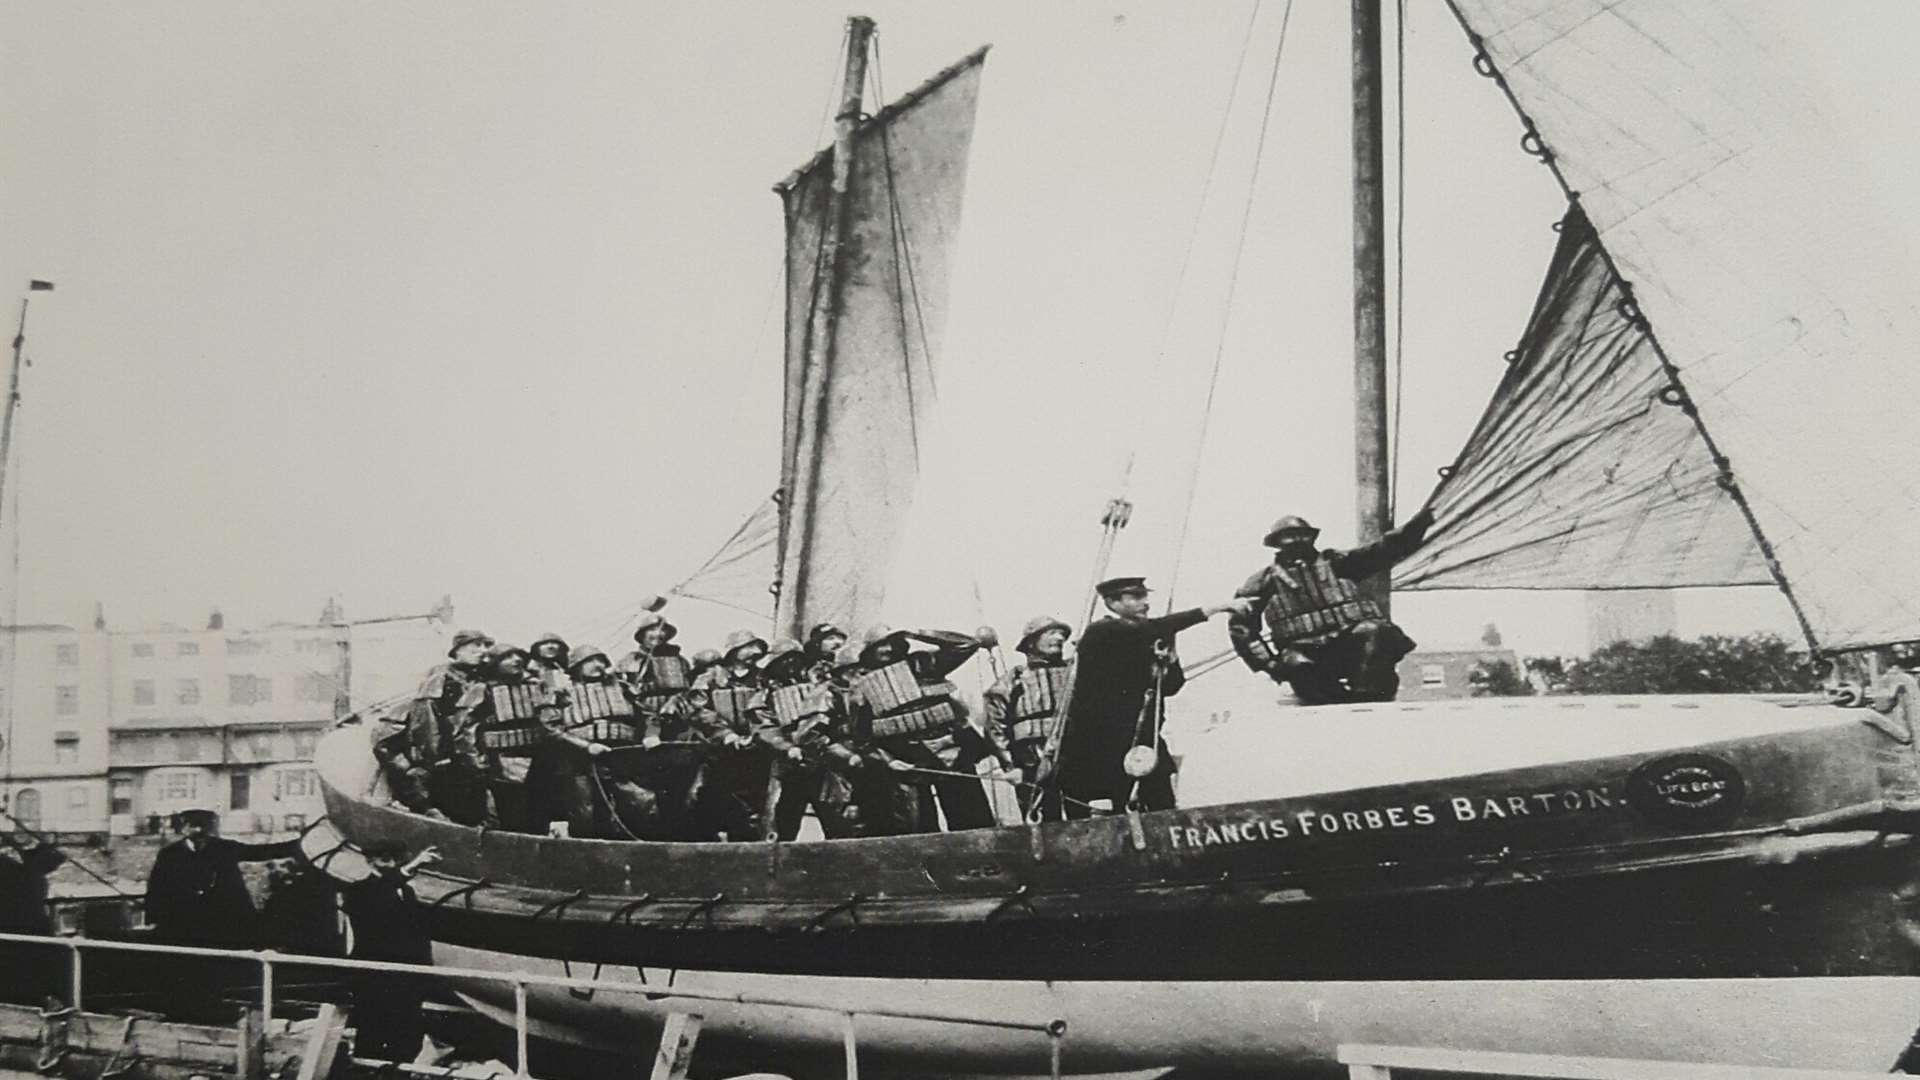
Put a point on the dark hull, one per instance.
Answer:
(1772, 856)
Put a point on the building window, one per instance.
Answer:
(143, 691)
(143, 650)
(79, 801)
(303, 744)
(246, 646)
(121, 794)
(140, 747)
(66, 655)
(1432, 675)
(188, 747)
(187, 648)
(315, 687)
(179, 785)
(66, 700)
(296, 784)
(239, 791)
(249, 690)
(261, 746)
(66, 748)
(187, 692)
(26, 806)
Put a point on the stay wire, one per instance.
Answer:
(1199, 209)
(1226, 309)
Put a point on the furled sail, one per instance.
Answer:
(849, 467)
(1767, 299)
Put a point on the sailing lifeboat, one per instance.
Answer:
(1723, 879)
(1506, 858)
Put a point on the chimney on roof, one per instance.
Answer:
(99, 615)
(333, 614)
(216, 621)
(1490, 637)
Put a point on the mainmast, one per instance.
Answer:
(1369, 288)
(798, 505)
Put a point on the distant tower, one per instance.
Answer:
(1629, 615)
(99, 615)
(216, 621)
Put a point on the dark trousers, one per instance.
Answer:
(460, 791)
(560, 788)
(908, 804)
(803, 784)
(387, 1016)
(1153, 791)
(1027, 755)
(1355, 664)
(735, 793)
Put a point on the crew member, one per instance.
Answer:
(548, 660)
(1022, 707)
(1121, 660)
(657, 676)
(1330, 640)
(803, 724)
(740, 768)
(444, 729)
(506, 729)
(388, 926)
(824, 642)
(915, 726)
(562, 796)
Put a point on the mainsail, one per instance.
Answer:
(855, 410)
(1712, 390)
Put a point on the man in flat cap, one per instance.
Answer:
(1329, 639)
(1122, 660)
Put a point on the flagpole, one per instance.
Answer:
(13, 403)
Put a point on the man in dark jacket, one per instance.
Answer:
(33, 971)
(1329, 639)
(388, 925)
(196, 894)
(1117, 673)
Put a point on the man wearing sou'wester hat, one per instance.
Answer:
(1117, 660)
(444, 732)
(1022, 706)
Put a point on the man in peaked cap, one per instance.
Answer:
(1126, 665)
(1330, 640)
(197, 895)
(1022, 705)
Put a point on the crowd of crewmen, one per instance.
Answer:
(735, 743)
(738, 743)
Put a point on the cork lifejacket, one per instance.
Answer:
(901, 703)
(1310, 600)
(1037, 692)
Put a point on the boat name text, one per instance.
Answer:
(1455, 810)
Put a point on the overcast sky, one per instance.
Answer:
(391, 301)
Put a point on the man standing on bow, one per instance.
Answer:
(1330, 640)
(1126, 665)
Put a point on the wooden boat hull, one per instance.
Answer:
(1677, 895)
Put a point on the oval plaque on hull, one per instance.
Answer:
(1687, 790)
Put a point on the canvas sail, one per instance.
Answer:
(739, 576)
(853, 489)
(1774, 289)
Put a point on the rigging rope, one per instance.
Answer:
(9, 692)
(1199, 209)
(1226, 309)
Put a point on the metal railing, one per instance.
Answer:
(1365, 1062)
(1054, 1029)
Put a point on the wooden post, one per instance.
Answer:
(677, 1039)
(323, 1044)
(249, 1048)
(1369, 288)
(797, 509)
(852, 1047)
(13, 400)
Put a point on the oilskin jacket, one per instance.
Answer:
(444, 722)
